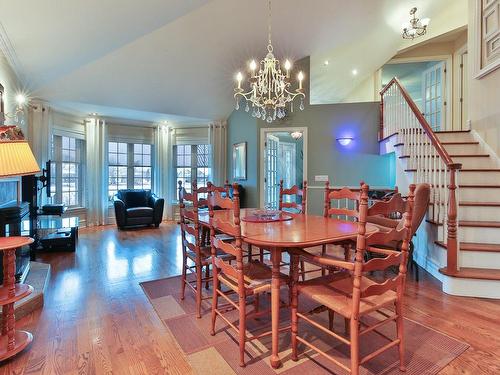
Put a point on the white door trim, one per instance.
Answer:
(262, 152)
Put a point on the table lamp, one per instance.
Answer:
(16, 158)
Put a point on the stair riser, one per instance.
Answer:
(476, 234)
(467, 163)
(479, 213)
(467, 213)
(463, 149)
(480, 259)
(479, 194)
(485, 178)
(455, 137)
(475, 162)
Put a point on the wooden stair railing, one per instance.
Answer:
(431, 163)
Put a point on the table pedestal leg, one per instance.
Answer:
(275, 306)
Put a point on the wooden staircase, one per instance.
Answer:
(466, 218)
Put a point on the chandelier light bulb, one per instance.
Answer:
(425, 21)
(288, 64)
(239, 78)
(253, 65)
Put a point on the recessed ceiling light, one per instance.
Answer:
(326, 62)
(354, 72)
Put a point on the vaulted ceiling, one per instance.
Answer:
(175, 60)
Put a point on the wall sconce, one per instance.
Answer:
(296, 135)
(345, 141)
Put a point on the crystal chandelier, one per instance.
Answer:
(415, 27)
(269, 89)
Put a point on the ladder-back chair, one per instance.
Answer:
(342, 204)
(296, 192)
(353, 295)
(192, 246)
(243, 279)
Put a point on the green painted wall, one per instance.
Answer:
(344, 165)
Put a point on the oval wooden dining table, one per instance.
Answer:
(302, 231)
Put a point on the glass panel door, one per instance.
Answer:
(271, 174)
(433, 95)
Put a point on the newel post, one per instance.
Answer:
(451, 242)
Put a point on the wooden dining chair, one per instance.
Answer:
(192, 248)
(341, 204)
(396, 220)
(353, 295)
(295, 192)
(298, 207)
(248, 279)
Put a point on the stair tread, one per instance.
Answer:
(473, 273)
(472, 223)
(474, 246)
(481, 204)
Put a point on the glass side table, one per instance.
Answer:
(57, 233)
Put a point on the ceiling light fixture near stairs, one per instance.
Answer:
(415, 27)
(269, 90)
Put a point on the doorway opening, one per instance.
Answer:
(428, 85)
(283, 157)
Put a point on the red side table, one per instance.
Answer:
(12, 341)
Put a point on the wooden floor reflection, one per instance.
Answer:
(97, 320)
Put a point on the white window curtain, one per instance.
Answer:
(163, 173)
(39, 135)
(218, 141)
(97, 179)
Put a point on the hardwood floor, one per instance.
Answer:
(97, 320)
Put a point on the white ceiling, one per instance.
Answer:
(175, 60)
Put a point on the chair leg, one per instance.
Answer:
(354, 334)
(399, 328)
(242, 328)
(256, 302)
(347, 252)
(207, 275)
(215, 299)
(303, 270)
(295, 323)
(199, 271)
(331, 317)
(412, 260)
(249, 252)
(183, 278)
(261, 255)
(346, 326)
(323, 252)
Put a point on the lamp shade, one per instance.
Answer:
(17, 159)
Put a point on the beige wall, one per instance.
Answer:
(484, 97)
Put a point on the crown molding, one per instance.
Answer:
(10, 54)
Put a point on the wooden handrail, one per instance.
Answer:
(423, 122)
(452, 214)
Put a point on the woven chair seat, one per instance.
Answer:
(335, 292)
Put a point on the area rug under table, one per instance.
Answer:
(427, 351)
